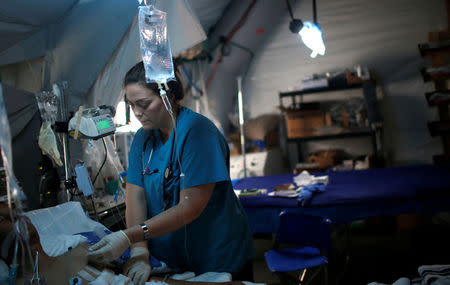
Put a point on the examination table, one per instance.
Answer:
(353, 195)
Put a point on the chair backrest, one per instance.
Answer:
(304, 230)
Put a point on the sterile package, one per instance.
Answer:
(155, 48)
(57, 226)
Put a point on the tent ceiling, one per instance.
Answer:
(209, 12)
(20, 19)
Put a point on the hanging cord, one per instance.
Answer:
(314, 12)
(95, 179)
(290, 9)
(227, 39)
(103, 163)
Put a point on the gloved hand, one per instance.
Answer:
(138, 266)
(305, 195)
(109, 248)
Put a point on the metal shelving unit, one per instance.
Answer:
(372, 132)
(347, 134)
(438, 50)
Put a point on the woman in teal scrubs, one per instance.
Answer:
(180, 204)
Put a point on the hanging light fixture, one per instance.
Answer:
(309, 32)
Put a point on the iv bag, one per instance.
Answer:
(155, 48)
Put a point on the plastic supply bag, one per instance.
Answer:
(47, 142)
(155, 48)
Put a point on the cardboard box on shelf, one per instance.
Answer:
(303, 123)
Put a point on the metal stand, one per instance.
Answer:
(68, 182)
(241, 123)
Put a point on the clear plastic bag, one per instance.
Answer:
(48, 105)
(93, 156)
(14, 192)
(51, 107)
(155, 48)
(47, 143)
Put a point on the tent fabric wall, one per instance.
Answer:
(81, 45)
(21, 24)
(106, 90)
(382, 35)
(26, 75)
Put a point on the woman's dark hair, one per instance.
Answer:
(137, 75)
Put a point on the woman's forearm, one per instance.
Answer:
(192, 202)
(162, 224)
(135, 213)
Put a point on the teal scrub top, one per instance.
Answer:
(219, 239)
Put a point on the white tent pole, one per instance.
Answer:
(241, 123)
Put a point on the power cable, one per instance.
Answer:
(314, 12)
(103, 163)
(290, 9)
(95, 178)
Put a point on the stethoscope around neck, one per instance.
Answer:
(168, 171)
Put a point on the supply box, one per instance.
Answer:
(303, 122)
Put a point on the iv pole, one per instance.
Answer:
(65, 147)
(60, 90)
(241, 123)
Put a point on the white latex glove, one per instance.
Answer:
(109, 248)
(138, 266)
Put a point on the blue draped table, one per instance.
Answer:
(353, 195)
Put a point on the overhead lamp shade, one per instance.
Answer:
(311, 35)
(295, 25)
